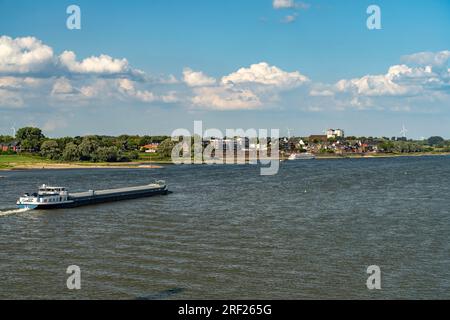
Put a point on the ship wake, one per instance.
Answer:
(7, 212)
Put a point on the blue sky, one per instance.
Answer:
(183, 60)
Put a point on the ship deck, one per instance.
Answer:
(112, 192)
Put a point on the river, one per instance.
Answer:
(226, 232)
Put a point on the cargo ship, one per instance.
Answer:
(49, 197)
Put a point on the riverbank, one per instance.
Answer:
(381, 155)
(29, 162)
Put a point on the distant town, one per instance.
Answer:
(31, 142)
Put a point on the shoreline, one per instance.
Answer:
(159, 164)
(382, 155)
(68, 166)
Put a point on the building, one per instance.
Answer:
(11, 146)
(150, 148)
(237, 143)
(335, 133)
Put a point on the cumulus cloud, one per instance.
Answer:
(103, 64)
(197, 78)
(170, 79)
(31, 71)
(128, 87)
(263, 73)
(15, 90)
(62, 86)
(423, 82)
(24, 55)
(398, 81)
(10, 83)
(225, 98)
(31, 75)
(247, 88)
(436, 59)
(321, 93)
(371, 86)
(28, 56)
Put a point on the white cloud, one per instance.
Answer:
(10, 83)
(289, 4)
(88, 91)
(62, 86)
(247, 88)
(32, 76)
(225, 98)
(321, 93)
(371, 86)
(436, 59)
(28, 56)
(170, 97)
(30, 71)
(102, 64)
(23, 55)
(283, 4)
(171, 79)
(15, 90)
(128, 87)
(263, 73)
(197, 78)
(398, 81)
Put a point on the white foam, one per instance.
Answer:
(10, 212)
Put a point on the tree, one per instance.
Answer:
(30, 138)
(71, 152)
(106, 154)
(165, 148)
(50, 149)
(6, 139)
(88, 147)
(62, 142)
(386, 146)
(134, 155)
(435, 141)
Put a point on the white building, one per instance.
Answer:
(335, 133)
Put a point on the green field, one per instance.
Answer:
(36, 161)
(10, 161)
(152, 157)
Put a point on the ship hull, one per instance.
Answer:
(78, 201)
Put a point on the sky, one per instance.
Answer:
(150, 67)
